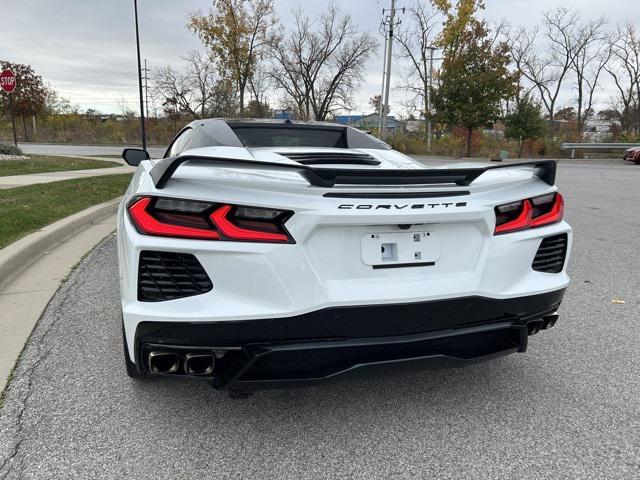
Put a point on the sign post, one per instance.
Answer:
(8, 83)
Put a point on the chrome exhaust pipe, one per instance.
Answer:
(549, 321)
(198, 364)
(534, 327)
(163, 362)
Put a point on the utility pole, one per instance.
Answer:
(142, 129)
(146, 88)
(8, 84)
(384, 72)
(385, 108)
(13, 120)
(428, 112)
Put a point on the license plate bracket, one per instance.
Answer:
(382, 250)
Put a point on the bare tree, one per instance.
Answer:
(201, 78)
(591, 53)
(224, 100)
(416, 42)
(197, 91)
(288, 72)
(174, 88)
(547, 72)
(320, 64)
(521, 45)
(259, 85)
(625, 71)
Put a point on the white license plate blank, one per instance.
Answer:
(387, 249)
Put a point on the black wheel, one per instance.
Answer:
(132, 370)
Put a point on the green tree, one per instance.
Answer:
(236, 33)
(257, 109)
(30, 95)
(525, 122)
(474, 78)
(457, 22)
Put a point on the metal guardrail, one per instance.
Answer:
(596, 146)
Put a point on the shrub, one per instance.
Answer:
(7, 149)
(408, 143)
(414, 144)
(628, 137)
(448, 145)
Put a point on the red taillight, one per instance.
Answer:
(553, 215)
(520, 220)
(206, 221)
(234, 232)
(529, 213)
(147, 224)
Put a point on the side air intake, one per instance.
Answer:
(167, 276)
(551, 254)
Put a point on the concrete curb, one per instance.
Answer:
(18, 256)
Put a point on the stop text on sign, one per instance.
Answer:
(7, 81)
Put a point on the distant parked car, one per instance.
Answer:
(632, 155)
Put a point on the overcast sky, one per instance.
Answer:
(86, 48)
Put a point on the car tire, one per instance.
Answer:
(131, 368)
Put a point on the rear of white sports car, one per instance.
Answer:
(253, 263)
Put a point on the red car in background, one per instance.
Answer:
(632, 155)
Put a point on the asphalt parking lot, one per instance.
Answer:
(568, 408)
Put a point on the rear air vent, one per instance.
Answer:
(331, 158)
(167, 275)
(551, 254)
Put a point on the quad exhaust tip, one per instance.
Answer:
(198, 364)
(546, 322)
(549, 321)
(163, 362)
(534, 327)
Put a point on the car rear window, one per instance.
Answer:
(264, 136)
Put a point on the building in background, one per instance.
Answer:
(601, 130)
(284, 114)
(367, 122)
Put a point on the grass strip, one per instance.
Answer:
(27, 209)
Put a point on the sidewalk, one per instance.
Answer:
(36, 178)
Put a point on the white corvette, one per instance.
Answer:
(263, 252)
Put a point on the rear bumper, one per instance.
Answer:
(324, 343)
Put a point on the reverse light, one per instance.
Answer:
(179, 218)
(529, 213)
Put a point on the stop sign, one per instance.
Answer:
(7, 81)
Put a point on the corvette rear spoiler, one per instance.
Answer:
(164, 169)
